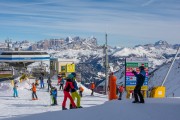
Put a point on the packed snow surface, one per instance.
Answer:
(96, 107)
(23, 105)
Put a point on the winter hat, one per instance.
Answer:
(70, 76)
(74, 74)
(141, 68)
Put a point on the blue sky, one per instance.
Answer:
(127, 22)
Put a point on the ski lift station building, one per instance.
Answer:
(23, 58)
(62, 66)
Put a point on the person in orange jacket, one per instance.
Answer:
(34, 92)
(81, 91)
(121, 90)
(92, 86)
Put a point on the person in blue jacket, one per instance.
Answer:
(41, 78)
(140, 78)
(54, 95)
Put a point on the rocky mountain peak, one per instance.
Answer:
(162, 43)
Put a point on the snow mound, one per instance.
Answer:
(86, 90)
(5, 86)
(24, 85)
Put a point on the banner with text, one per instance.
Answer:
(134, 64)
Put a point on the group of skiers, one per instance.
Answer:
(70, 89)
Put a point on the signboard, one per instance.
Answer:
(70, 68)
(63, 68)
(134, 64)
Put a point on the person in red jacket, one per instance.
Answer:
(92, 87)
(121, 90)
(69, 86)
(59, 79)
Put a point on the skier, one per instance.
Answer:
(53, 93)
(49, 82)
(121, 90)
(59, 79)
(15, 94)
(69, 86)
(41, 81)
(92, 86)
(140, 78)
(74, 93)
(81, 91)
(36, 82)
(34, 92)
(61, 84)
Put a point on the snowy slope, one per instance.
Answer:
(172, 83)
(23, 105)
(154, 109)
(95, 107)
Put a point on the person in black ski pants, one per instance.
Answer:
(49, 83)
(140, 78)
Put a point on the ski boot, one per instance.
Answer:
(63, 108)
(135, 102)
(70, 107)
(80, 107)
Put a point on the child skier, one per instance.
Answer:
(53, 93)
(34, 92)
(61, 84)
(69, 86)
(92, 88)
(121, 90)
(81, 91)
(36, 82)
(15, 94)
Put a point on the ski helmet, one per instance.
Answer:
(74, 74)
